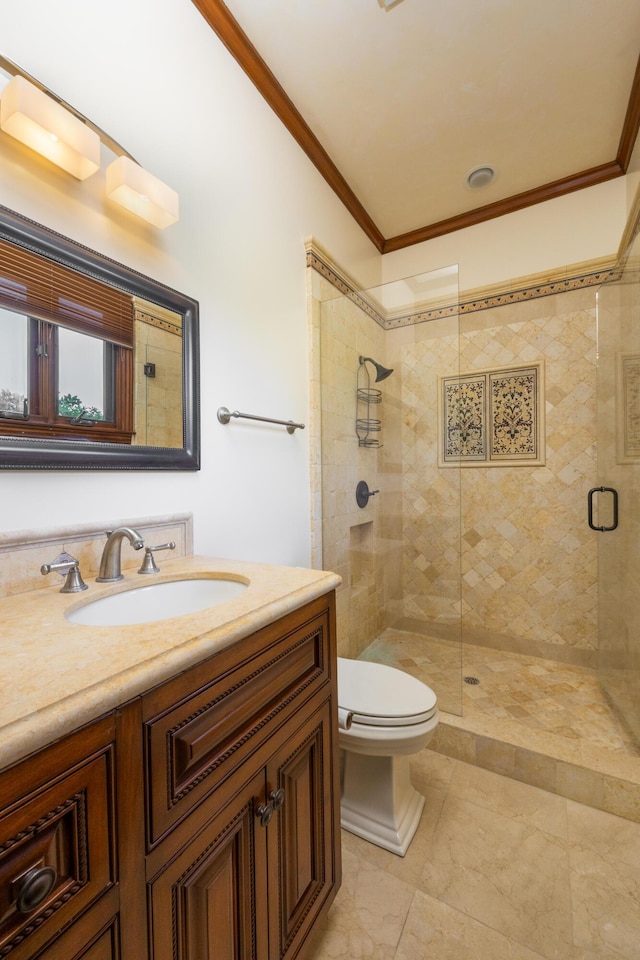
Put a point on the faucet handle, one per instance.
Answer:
(74, 582)
(67, 566)
(148, 564)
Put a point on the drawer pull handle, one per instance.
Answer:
(277, 798)
(35, 887)
(264, 813)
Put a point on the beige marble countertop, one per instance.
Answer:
(57, 675)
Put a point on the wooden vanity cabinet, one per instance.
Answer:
(242, 793)
(198, 822)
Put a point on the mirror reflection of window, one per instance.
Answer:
(14, 335)
(55, 380)
(82, 364)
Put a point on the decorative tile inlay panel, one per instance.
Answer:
(513, 403)
(492, 418)
(464, 419)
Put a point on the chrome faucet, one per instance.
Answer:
(110, 564)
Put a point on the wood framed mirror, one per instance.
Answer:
(99, 365)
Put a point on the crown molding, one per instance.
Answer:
(240, 47)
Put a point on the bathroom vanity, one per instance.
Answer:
(170, 791)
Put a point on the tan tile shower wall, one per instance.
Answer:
(528, 558)
(426, 510)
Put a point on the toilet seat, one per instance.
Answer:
(382, 696)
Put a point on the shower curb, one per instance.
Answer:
(595, 776)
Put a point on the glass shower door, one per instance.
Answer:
(614, 504)
(425, 599)
(398, 551)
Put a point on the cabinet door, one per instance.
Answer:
(304, 860)
(211, 900)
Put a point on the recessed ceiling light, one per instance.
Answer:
(481, 176)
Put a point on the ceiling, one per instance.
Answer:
(396, 104)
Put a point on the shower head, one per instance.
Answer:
(381, 372)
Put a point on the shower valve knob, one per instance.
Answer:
(363, 493)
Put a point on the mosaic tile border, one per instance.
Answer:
(578, 277)
(492, 418)
(158, 322)
(337, 279)
(157, 316)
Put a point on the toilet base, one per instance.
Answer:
(378, 801)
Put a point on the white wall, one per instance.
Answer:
(152, 74)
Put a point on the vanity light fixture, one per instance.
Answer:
(33, 118)
(138, 191)
(33, 114)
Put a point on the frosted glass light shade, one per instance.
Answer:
(45, 126)
(141, 193)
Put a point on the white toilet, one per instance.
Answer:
(385, 715)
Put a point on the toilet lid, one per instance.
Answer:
(383, 696)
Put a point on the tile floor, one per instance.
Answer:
(541, 695)
(498, 870)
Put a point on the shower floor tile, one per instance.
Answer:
(544, 695)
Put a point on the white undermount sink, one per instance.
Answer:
(156, 601)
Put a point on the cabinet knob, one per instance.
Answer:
(35, 887)
(264, 813)
(277, 798)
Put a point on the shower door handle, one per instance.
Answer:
(614, 494)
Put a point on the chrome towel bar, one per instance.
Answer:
(224, 416)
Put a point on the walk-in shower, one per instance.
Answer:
(476, 558)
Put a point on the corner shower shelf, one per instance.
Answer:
(365, 396)
(367, 425)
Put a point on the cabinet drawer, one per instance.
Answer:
(95, 936)
(194, 747)
(55, 854)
